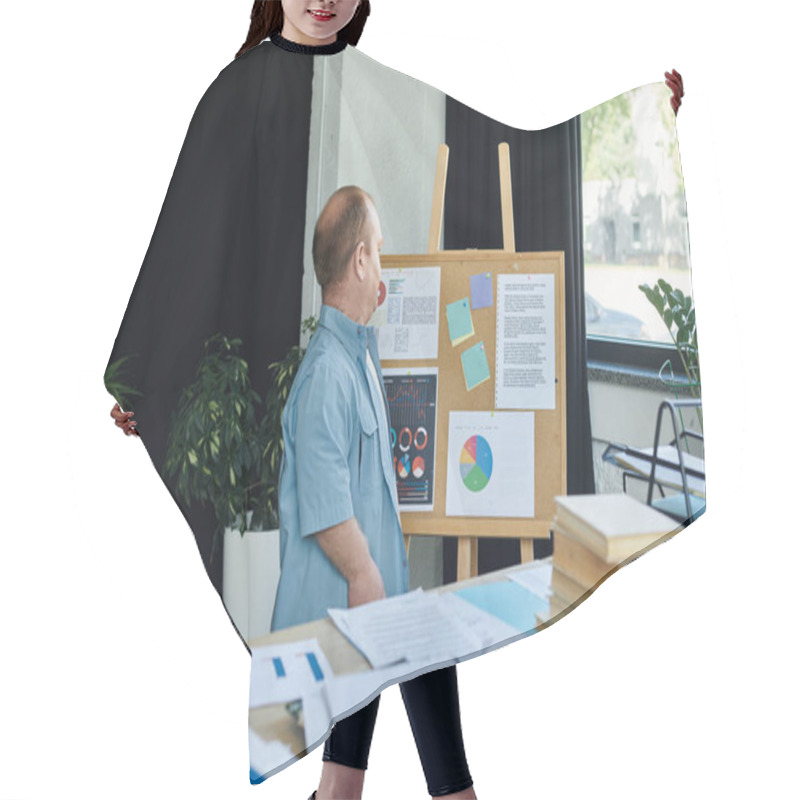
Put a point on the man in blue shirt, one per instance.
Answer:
(341, 540)
(341, 543)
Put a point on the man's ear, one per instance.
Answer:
(360, 261)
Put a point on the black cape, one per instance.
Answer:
(213, 325)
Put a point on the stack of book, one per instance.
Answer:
(594, 533)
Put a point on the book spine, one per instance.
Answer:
(581, 531)
(576, 560)
(567, 587)
(558, 604)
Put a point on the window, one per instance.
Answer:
(634, 226)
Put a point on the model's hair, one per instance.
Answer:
(338, 231)
(266, 19)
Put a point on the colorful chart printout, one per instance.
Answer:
(412, 408)
(490, 464)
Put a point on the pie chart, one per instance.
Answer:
(403, 466)
(475, 463)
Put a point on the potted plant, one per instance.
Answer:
(676, 309)
(220, 453)
(271, 432)
(212, 454)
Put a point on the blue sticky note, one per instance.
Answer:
(459, 321)
(508, 601)
(481, 289)
(475, 365)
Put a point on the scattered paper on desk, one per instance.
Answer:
(481, 290)
(475, 366)
(266, 755)
(281, 672)
(507, 601)
(407, 627)
(459, 321)
(538, 579)
(346, 691)
(316, 714)
(487, 627)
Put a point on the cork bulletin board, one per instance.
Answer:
(457, 267)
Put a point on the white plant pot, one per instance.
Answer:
(250, 571)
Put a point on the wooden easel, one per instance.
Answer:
(437, 210)
(467, 565)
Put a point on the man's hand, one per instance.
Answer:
(347, 548)
(366, 586)
(675, 82)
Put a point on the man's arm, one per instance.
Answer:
(346, 546)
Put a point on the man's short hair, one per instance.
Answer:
(339, 229)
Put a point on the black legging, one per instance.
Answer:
(431, 701)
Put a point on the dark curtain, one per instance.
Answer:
(548, 215)
(226, 255)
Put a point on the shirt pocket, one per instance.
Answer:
(369, 464)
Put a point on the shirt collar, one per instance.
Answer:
(354, 336)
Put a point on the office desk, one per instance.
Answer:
(274, 722)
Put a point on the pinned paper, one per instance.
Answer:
(475, 365)
(481, 290)
(459, 321)
(490, 464)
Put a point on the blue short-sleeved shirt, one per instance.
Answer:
(337, 463)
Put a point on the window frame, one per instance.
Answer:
(629, 356)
